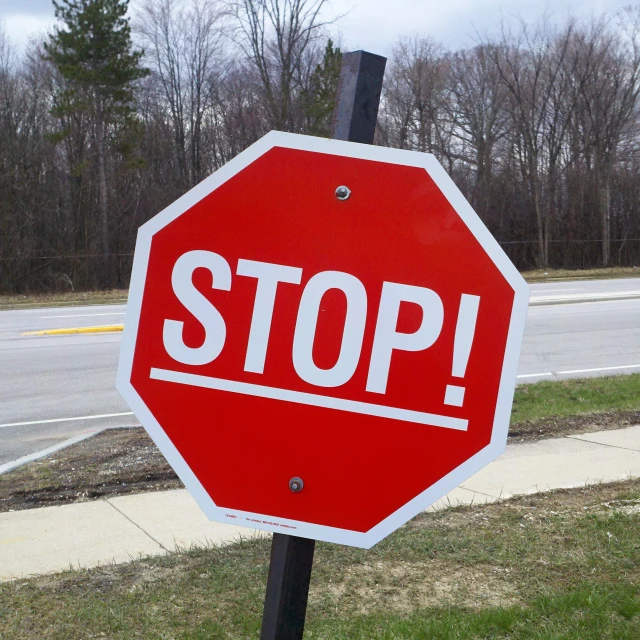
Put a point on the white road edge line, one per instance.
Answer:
(614, 296)
(549, 373)
(627, 366)
(536, 375)
(534, 291)
(75, 419)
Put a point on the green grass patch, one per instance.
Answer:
(590, 612)
(561, 565)
(576, 396)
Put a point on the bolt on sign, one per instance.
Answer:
(322, 338)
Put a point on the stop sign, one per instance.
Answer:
(322, 338)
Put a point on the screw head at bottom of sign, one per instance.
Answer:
(296, 484)
(342, 192)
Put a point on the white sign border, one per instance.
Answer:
(509, 370)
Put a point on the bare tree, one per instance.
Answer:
(276, 37)
(415, 95)
(184, 47)
(537, 73)
(608, 101)
(478, 113)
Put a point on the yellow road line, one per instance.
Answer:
(61, 332)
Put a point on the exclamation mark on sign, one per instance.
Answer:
(465, 331)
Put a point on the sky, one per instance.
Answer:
(374, 25)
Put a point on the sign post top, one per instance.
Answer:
(320, 365)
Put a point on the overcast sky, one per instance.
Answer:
(370, 24)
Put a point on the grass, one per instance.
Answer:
(64, 299)
(559, 565)
(590, 612)
(576, 396)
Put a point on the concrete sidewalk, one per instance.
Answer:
(124, 528)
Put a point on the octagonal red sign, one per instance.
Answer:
(322, 338)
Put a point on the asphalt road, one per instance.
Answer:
(56, 387)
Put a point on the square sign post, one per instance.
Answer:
(355, 118)
(322, 339)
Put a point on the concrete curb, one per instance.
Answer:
(608, 297)
(108, 328)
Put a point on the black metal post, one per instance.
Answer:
(359, 89)
(354, 119)
(285, 604)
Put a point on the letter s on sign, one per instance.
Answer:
(208, 316)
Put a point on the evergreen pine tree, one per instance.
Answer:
(320, 99)
(94, 55)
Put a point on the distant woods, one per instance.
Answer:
(112, 117)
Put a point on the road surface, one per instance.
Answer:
(55, 387)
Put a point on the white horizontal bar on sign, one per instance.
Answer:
(312, 399)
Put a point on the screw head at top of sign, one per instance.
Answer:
(343, 193)
(296, 484)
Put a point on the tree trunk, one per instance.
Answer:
(604, 198)
(543, 257)
(549, 207)
(542, 244)
(102, 190)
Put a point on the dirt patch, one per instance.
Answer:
(122, 461)
(403, 587)
(532, 430)
(115, 462)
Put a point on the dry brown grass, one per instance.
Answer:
(66, 299)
